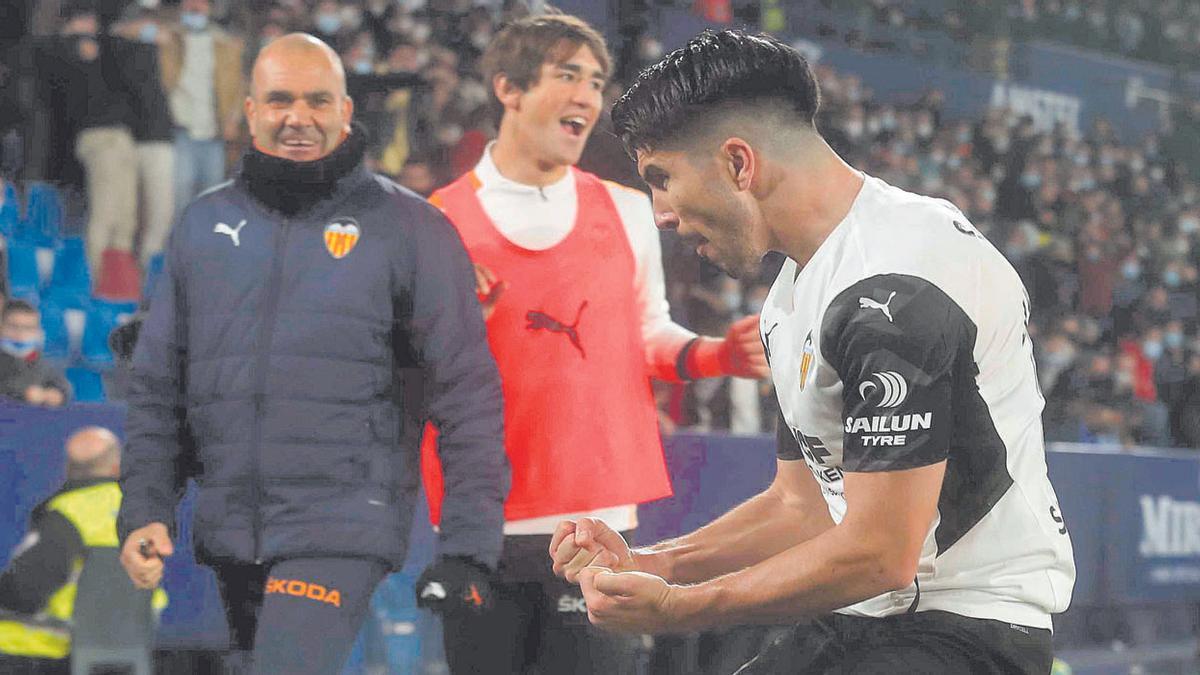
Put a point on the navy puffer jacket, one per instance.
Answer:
(270, 368)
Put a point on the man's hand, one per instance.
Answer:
(631, 602)
(742, 352)
(143, 553)
(35, 395)
(455, 584)
(588, 541)
(488, 288)
(52, 397)
(44, 396)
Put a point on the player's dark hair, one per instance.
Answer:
(729, 67)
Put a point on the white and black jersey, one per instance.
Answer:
(903, 343)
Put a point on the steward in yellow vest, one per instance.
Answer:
(37, 590)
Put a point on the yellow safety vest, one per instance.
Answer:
(47, 634)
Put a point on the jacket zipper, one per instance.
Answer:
(265, 330)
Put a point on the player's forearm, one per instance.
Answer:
(761, 527)
(833, 570)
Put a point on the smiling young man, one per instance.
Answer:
(271, 369)
(911, 526)
(570, 270)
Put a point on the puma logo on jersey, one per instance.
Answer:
(871, 303)
(543, 321)
(233, 232)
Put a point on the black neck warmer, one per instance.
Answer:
(290, 187)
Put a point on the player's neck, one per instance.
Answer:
(811, 204)
(515, 163)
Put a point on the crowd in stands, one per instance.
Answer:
(1166, 32)
(1105, 235)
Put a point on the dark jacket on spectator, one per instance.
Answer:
(74, 94)
(17, 375)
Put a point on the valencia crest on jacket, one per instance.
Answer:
(340, 236)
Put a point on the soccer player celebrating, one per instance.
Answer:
(570, 271)
(911, 527)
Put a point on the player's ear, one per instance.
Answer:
(507, 91)
(739, 161)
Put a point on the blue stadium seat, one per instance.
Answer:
(102, 318)
(88, 384)
(58, 343)
(23, 279)
(71, 274)
(43, 215)
(10, 211)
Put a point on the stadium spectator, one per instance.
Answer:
(1189, 407)
(24, 374)
(153, 131)
(37, 590)
(85, 83)
(202, 73)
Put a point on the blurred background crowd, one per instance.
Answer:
(127, 110)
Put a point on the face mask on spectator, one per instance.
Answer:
(1152, 349)
(482, 39)
(1081, 159)
(1031, 180)
(21, 349)
(1131, 270)
(193, 20)
(1189, 224)
(964, 135)
(954, 161)
(1171, 278)
(328, 23)
(363, 66)
(854, 129)
(1137, 164)
(1173, 339)
(149, 32)
(924, 130)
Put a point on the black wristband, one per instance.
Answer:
(681, 368)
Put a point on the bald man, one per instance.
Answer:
(298, 305)
(36, 590)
